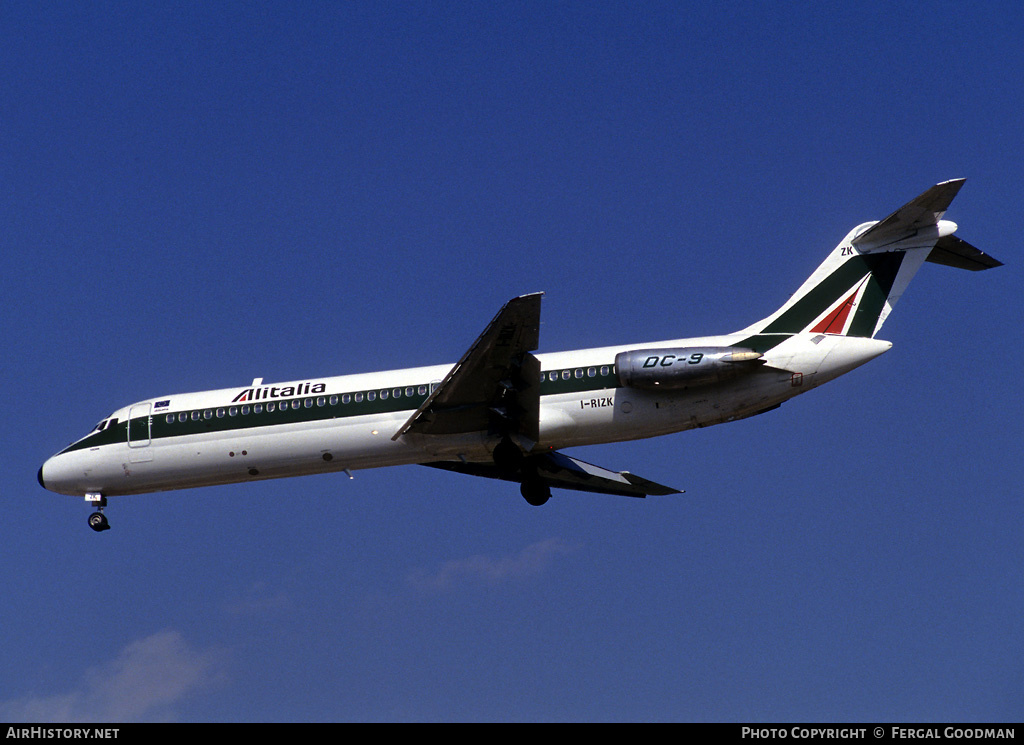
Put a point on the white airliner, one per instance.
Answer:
(503, 412)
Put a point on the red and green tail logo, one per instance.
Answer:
(849, 301)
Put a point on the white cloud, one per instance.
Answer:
(485, 570)
(145, 682)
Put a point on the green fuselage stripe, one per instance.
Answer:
(308, 409)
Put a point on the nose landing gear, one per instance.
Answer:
(97, 520)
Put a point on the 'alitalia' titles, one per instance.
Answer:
(286, 391)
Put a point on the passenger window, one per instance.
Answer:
(565, 374)
(195, 416)
(169, 418)
(383, 395)
(345, 398)
(591, 372)
(220, 413)
(308, 403)
(371, 395)
(233, 411)
(359, 397)
(208, 414)
(258, 408)
(334, 400)
(183, 416)
(245, 410)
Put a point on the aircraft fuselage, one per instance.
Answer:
(345, 423)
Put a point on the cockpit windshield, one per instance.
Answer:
(105, 424)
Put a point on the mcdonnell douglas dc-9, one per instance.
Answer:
(503, 412)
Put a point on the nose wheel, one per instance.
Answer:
(97, 520)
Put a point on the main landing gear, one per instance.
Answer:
(535, 492)
(514, 463)
(97, 520)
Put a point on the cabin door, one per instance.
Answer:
(140, 422)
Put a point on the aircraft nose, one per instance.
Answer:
(70, 473)
(53, 475)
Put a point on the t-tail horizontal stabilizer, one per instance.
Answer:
(923, 212)
(922, 217)
(958, 253)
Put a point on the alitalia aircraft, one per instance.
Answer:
(503, 412)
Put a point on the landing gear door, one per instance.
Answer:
(140, 420)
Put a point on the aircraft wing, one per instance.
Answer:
(563, 472)
(495, 387)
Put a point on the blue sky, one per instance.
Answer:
(196, 194)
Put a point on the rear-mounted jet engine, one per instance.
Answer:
(684, 367)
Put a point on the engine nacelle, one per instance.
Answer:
(683, 367)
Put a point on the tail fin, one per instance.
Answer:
(855, 289)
